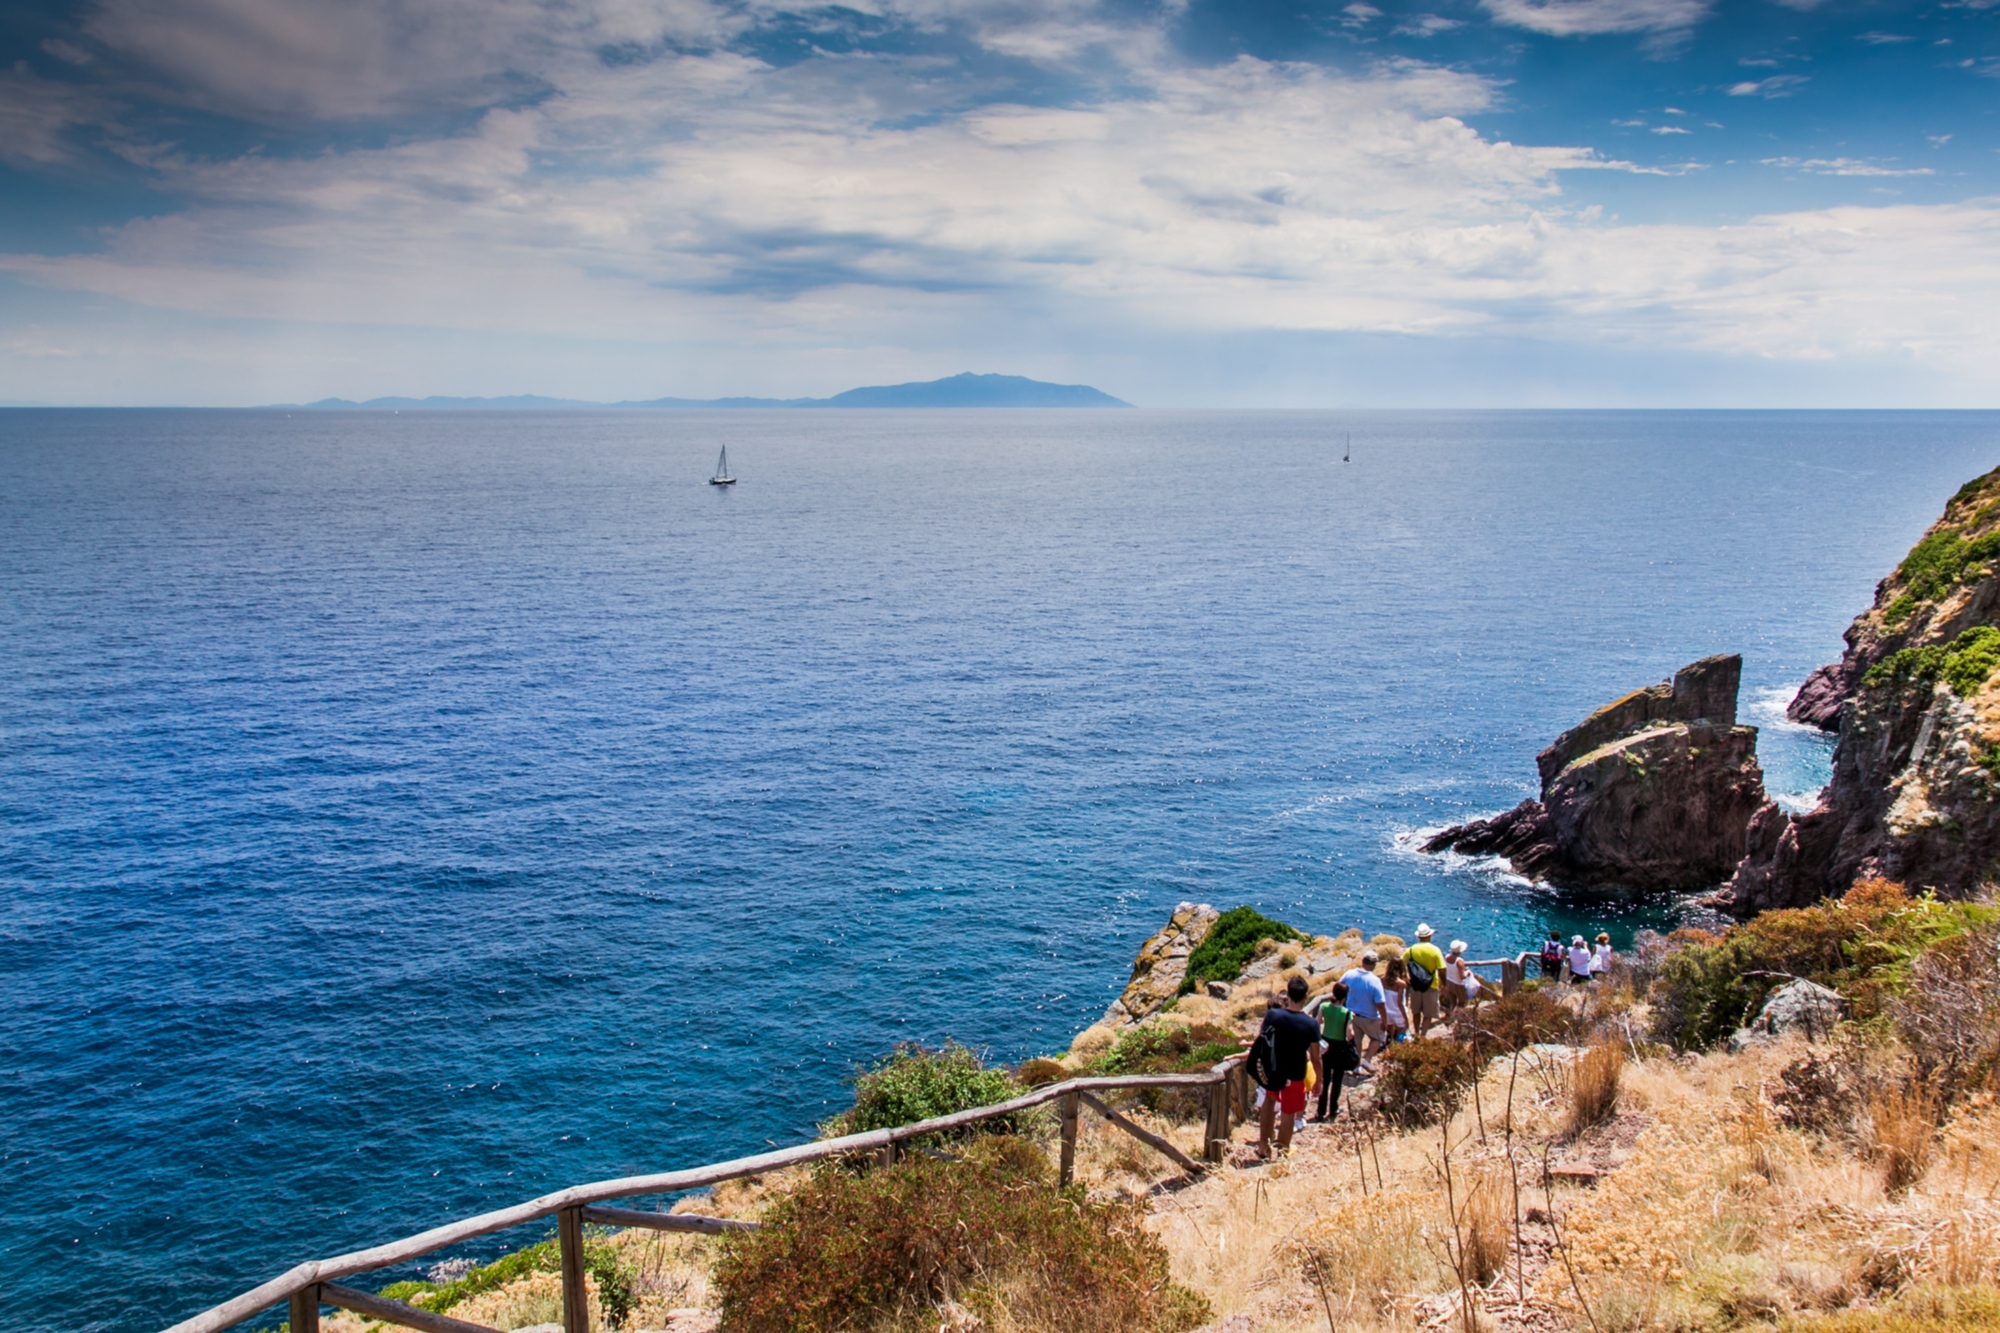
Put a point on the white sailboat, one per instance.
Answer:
(722, 477)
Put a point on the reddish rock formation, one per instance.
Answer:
(1913, 795)
(1654, 791)
(1817, 704)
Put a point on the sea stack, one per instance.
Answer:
(1653, 792)
(1913, 796)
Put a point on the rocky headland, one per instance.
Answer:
(1918, 714)
(1654, 791)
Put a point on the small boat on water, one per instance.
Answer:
(722, 477)
(1348, 457)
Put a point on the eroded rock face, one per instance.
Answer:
(1161, 965)
(1913, 796)
(1654, 791)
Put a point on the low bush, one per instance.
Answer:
(543, 1258)
(1862, 945)
(1525, 1018)
(915, 1083)
(1422, 1082)
(1949, 1018)
(909, 1246)
(614, 1276)
(1169, 1049)
(1229, 945)
(1040, 1072)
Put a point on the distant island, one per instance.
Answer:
(953, 391)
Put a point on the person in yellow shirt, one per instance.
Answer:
(1426, 966)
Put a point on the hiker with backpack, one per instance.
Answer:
(1425, 966)
(1286, 1047)
(1338, 1057)
(1553, 956)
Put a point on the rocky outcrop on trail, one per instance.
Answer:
(1161, 965)
(1653, 791)
(1913, 796)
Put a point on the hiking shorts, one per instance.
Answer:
(1292, 1097)
(1371, 1028)
(1424, 1004)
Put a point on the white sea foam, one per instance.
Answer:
(1767, 709)
(1409, 843)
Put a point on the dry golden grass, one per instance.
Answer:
(1593, 1088)
(1720, 1217)
(1903, 1132)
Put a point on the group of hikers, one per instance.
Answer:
(1310, 1042)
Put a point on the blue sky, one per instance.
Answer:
(1466, 203)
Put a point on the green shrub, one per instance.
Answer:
(1423, 1082)
(885, 1250)
(1230, 942)
(1862, 945)
(1964, 664)
(1169, 1049)
(543, 1258)
(915, 1083)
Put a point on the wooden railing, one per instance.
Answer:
(316, 1282)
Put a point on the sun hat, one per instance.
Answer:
(1424, 932)
(1577, 940)
(1604, 937)
(1458, 946)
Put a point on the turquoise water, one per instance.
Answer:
(408, 814)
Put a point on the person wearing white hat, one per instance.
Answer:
(1458, 973)
(1579, 961)
(1426, 968)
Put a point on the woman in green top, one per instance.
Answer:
(1337, 1034)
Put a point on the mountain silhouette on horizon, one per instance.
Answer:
(965, 390)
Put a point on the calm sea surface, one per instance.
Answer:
(405, 815)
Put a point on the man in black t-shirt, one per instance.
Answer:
(1296, 1037)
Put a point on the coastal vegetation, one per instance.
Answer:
(1641, 1155)
(1231, 942)
(915, 1082)
(983, 1240)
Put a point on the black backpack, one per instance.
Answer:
(1421, 977)
(1263, 1060)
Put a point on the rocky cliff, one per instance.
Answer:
(1653, 791)
(1913, 795)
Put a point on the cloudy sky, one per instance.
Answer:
(1208, 203)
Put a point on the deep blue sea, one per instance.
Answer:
(405, 815)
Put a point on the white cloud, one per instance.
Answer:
(1426, 25)
(1844, 166)
(710, 199)
(1577, 18)
(1778, 85)
(37, 116)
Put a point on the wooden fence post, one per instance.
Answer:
(1511, 972)
(576, 1296)
(1215, 1144)
(305, 1310)
(1069, 1105)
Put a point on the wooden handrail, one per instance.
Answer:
(315, 1272)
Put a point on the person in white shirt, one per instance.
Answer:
(1579, 962)
(1600, 959)
(1458, 973)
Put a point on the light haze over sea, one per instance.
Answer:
(405, 815)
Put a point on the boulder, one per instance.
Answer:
(1797, 1006)
(1654, 791)
(1817, 704)
(1161, 965)
(1218, 990)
